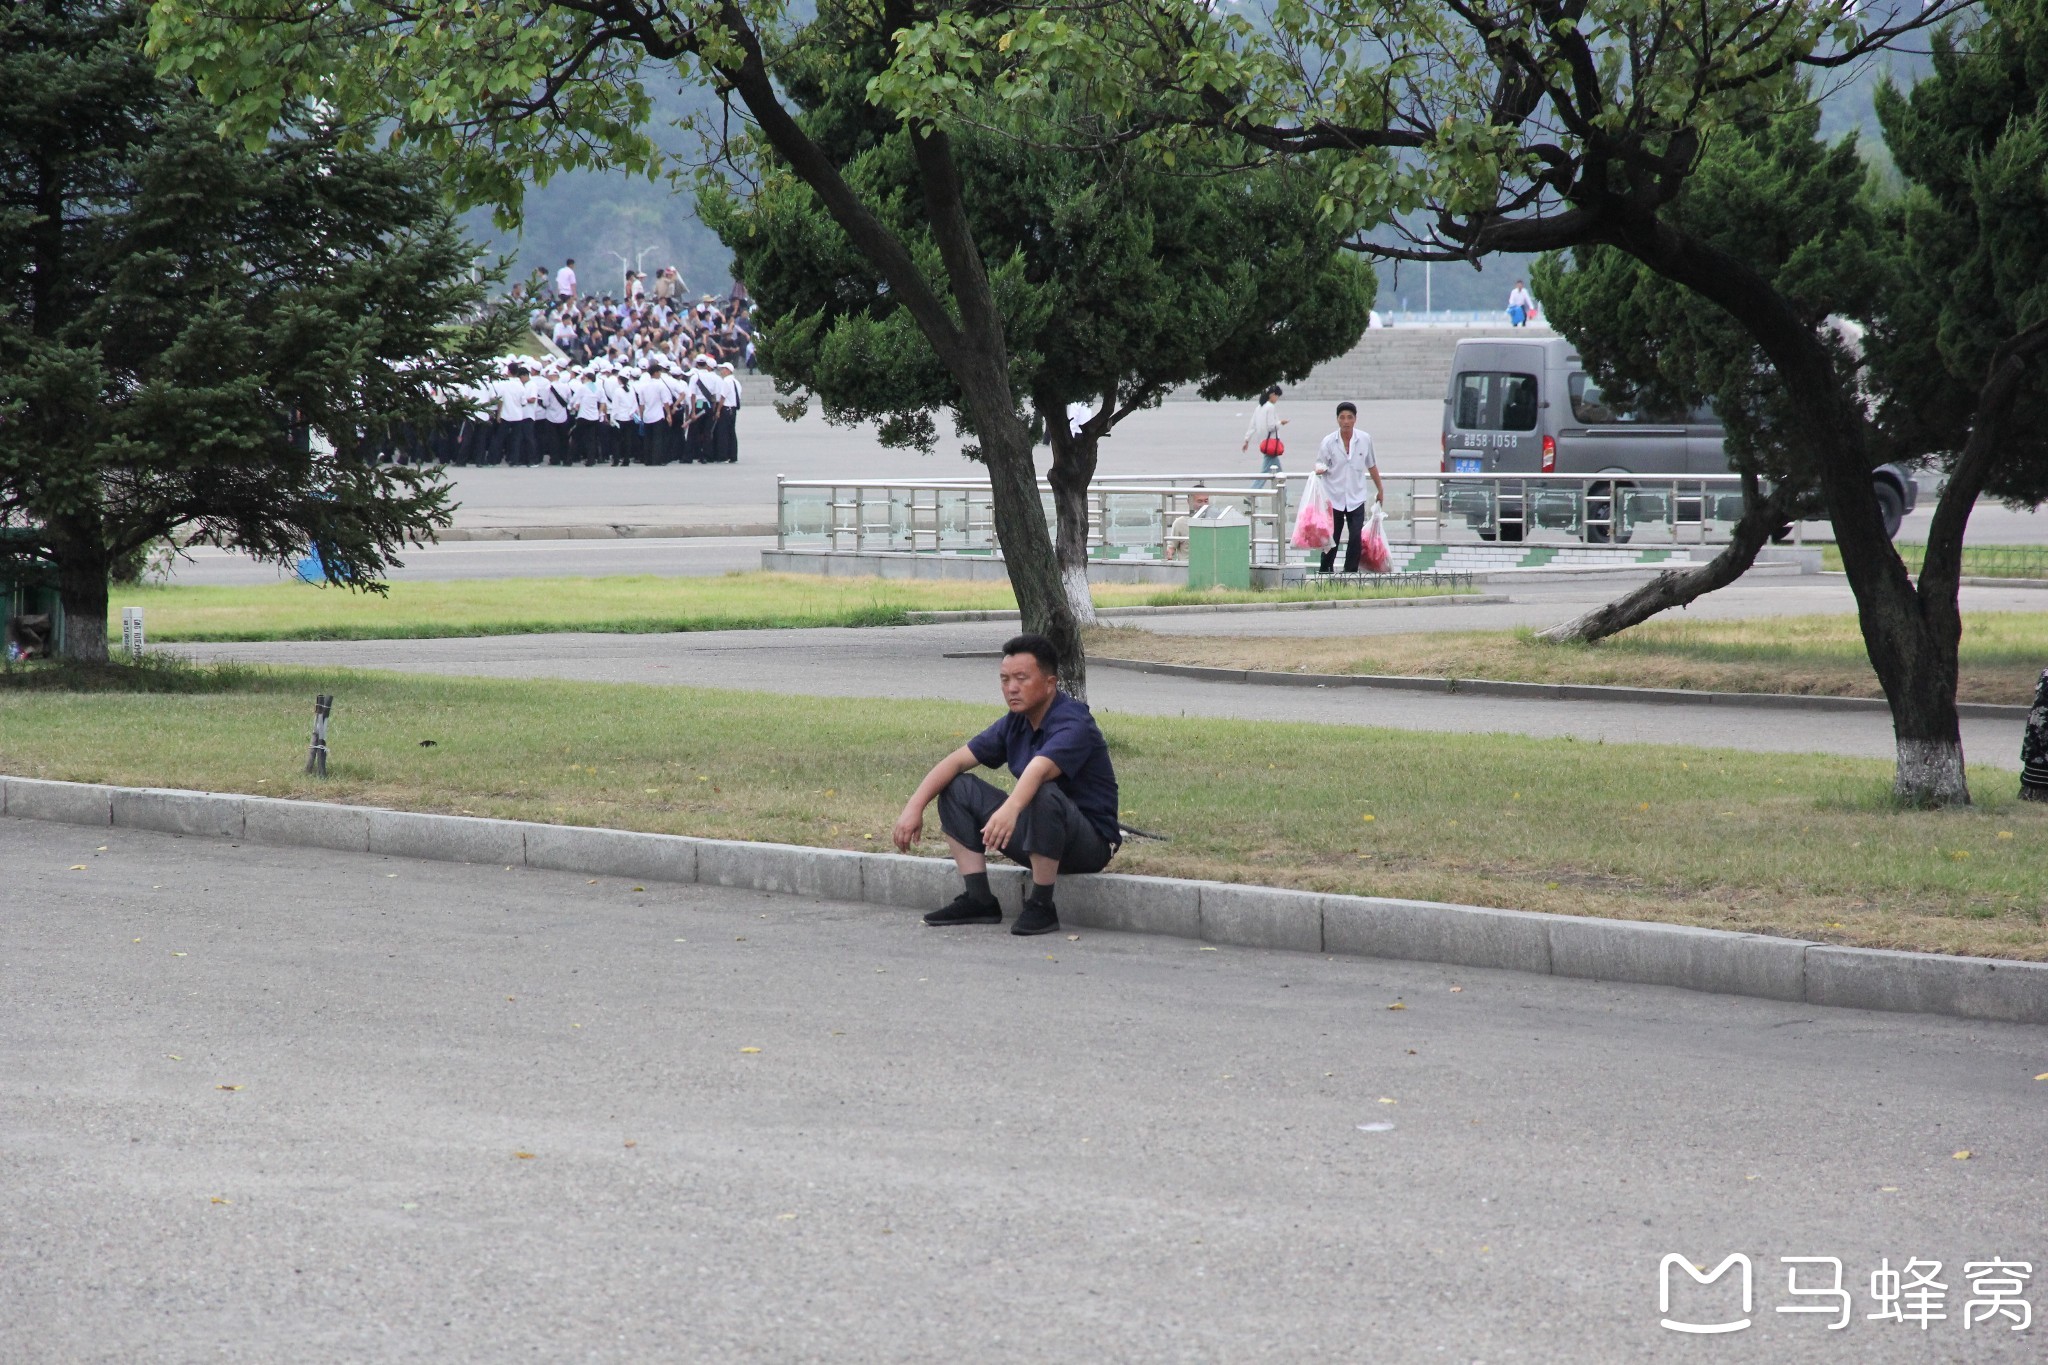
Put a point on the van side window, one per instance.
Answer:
(1590, 405)
(1492, 401)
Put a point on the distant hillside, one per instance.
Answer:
(592, 215)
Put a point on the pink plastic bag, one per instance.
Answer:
(1372, 543)
(1312, 525)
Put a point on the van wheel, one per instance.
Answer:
(1600, 504)
(1892, 507)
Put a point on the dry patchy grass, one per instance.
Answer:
(2003, 654)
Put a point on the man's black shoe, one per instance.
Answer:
(966, 909)
(1037, 919)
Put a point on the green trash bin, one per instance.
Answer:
(1219, 548)
(31, 616)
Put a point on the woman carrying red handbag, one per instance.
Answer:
(1265, 429)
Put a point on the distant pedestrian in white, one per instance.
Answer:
(1345, 461)
(565, 281)
(1520, 306)
(1265, 429)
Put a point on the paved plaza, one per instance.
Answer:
(282, 1105)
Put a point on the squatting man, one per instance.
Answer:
(1062, 816)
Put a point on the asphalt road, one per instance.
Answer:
(279, 1105)
(909, 662)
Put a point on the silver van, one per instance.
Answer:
(1519, 406)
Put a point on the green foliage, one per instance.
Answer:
(181, 313)
(1789, 207)
(1121, 272)
(1971, 139)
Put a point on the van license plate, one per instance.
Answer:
(1466, 464)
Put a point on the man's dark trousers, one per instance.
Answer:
(1051, 827)
(1341, 521)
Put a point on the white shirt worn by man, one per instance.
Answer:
(1345, 467)
(652, 395)
(1518, 297)
(512, 399)
(565, 282)
(554, 400)
(589, 400)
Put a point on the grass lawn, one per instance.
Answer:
(2003, 654)
(1805, 846)
(1979, 561)
(641, 603)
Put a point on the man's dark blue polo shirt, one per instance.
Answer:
(1068, 736)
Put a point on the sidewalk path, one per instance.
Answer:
(908, 662)
(426, 1111)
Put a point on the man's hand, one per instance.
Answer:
(909, 828)
(995, 835)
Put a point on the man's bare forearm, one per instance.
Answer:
(943, 772)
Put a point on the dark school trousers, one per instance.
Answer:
(1354, 518)
(1051, 827)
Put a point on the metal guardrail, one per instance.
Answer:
(1134, 516)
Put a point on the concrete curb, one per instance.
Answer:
(1662, 696)
(1214, 912)
(1973, 581)
(933, 618)
(607, 531)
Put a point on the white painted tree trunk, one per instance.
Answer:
(1931, 773)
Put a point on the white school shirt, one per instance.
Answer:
(565, 281)
(652, 395)
(511, 396)
(589, 401)
(618, 400)
(1345, 473)
(554, 401)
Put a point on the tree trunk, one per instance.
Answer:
(1911, 635)
(82, 588)
(967, 337)
(1680, 587)
(1073, 469)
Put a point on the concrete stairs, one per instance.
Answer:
(1390, 363)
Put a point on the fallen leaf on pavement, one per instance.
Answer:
(1397, 1005)
(174, 1056)
(1385, 1100)
(1073, 938)
(227, 1087)
(1963, 1155)
(218, 1200)
(1456, 989)
(78, 867)
(750, 1049)
(631, 1143)
(524, 1156)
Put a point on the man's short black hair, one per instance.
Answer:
(1038, 647)
(1347, 406)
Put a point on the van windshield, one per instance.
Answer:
(1590, 405)
(1493, 401)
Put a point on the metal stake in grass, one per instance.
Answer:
(316, 758)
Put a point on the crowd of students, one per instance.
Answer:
(649, 379)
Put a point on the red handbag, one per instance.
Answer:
(1272, 446)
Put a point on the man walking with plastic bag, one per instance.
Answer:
(1344, 462)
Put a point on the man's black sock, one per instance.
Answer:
(977, 886)
(1039, 895)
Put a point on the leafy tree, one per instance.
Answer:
(1118, 279)
(181, 314)
(1797, 212)
(512, 92)
(1537, 125)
